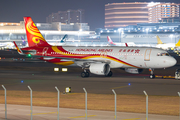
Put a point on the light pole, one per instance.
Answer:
(69, 19)
(175, 38)
(79, 16)
(171, 36)
(119, 30)
(79, 33)
(147, 30)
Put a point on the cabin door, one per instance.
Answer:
(147, 55)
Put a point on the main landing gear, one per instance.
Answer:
(85, 74)
(152, 76)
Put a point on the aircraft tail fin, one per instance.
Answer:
(23, 42)
(64, 38)
(178, 44)
(110, 41)
(18, 49)
(34, 37)
(159, 40)
(126, 44)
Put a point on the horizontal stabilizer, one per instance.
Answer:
(18, 49)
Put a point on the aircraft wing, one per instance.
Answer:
(78, 61)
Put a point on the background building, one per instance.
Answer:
(158, 11)
(123, 14)
(69, 16)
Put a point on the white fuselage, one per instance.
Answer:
(125, 57)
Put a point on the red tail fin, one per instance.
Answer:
(34, 37)
(110, 41)
(126, 44)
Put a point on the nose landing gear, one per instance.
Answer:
(152, 76)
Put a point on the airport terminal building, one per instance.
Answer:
(149, 20)
(52, 32)
(78, 34)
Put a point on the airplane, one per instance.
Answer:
(62, 42)
(119, 44)
(97, 60)
(7, 44)
(24, 42)
(165, 46)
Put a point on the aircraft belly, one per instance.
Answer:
(136, 61)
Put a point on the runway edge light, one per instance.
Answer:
(68, 89)
(56, 69)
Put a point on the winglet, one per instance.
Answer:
(18, 49)
(110, 41)
(159, 40)
(178, 44)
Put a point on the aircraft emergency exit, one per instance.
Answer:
(97, 60)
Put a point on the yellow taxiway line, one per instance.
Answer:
(132, 119)
(83, 116)
(43, 113)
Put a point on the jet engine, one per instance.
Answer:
(99, 68)
(133, 70)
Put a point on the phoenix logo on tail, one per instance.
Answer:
(34, 37)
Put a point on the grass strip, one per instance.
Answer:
(164, 105)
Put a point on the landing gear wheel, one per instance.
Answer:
(83, 74)
(152, 76)
(109, 74)
(87, 74)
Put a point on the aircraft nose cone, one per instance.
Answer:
(172, 61)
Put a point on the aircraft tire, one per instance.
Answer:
(109, 74)
(87, 74)
(83, 74)
(152, 76)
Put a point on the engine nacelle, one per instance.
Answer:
(99, 68)
(133, 70)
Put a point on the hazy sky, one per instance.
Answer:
(15, 10)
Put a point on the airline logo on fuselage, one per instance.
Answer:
(107, 50)
(94, 50)
(129, 50)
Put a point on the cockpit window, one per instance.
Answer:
(162, 54)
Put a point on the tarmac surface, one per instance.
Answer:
(41, 77)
